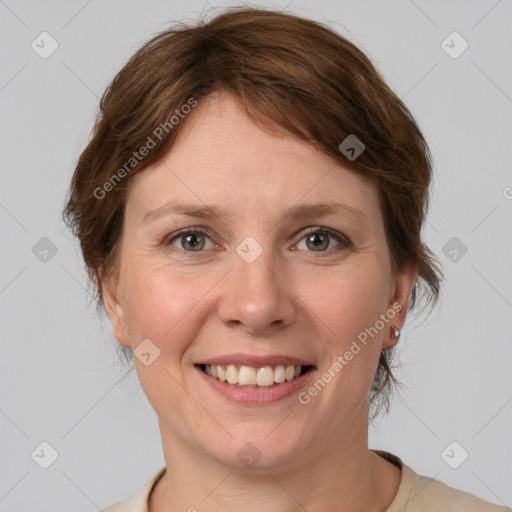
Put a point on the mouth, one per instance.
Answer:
(255, 380)
(255, 377)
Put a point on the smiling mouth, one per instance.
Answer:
(262, 377)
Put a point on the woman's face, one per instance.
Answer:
(265, 281)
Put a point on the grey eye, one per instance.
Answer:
(191, 241)
(319, 240)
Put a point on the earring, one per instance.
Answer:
(395, 333)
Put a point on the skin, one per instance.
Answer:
(294, 299)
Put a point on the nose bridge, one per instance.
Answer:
(258, 277)
(255, 295)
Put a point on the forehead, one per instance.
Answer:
(222, 158)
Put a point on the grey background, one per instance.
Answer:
(61, 380)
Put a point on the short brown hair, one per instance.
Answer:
(288, 72)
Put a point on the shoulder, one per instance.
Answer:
(429, 494)
(419, 493)
(138, 502)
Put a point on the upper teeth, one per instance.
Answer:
(249, 375)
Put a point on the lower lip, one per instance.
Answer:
(255, 396)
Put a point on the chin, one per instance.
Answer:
(259, 448)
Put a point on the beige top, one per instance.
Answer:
(416, 493)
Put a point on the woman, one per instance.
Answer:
(249, 209)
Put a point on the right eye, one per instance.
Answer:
(190, 240)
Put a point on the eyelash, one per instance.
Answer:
(339, 237)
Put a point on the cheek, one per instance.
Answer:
(166, 308)
(348, 306)
(347, 300)
(160, 304)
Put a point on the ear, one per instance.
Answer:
(400, 295)
(115, 310)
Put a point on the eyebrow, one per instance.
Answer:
(301, 211)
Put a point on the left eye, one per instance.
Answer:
(318, 239)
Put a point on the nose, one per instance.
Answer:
(256, 296)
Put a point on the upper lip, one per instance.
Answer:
(256, 361)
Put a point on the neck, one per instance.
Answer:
(343, 475)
